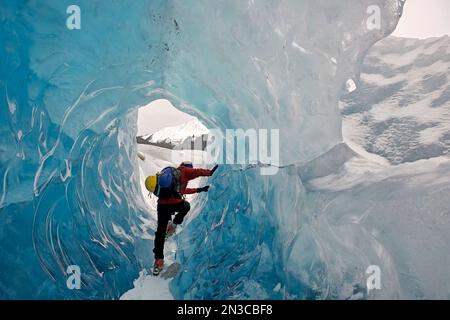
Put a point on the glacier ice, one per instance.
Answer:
(399, 111)
(70, 192)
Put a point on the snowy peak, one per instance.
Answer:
(180, 132)
(176, 136)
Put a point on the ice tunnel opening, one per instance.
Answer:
(165, 137)
(216, 219)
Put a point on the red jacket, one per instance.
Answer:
(186, 174)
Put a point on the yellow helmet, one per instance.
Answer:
(150, 183)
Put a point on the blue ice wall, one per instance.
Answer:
(67, 140)
(271, 65)
(68, 97)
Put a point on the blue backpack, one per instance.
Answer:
(168, 183)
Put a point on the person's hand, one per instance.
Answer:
(203, 189)
(214, 169)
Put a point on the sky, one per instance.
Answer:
(424, 19)
(159, 114)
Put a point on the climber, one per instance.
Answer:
(170, 186)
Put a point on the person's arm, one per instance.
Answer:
(192, 173)
(196, 190)
(190, 190)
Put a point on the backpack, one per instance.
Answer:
(168, 183)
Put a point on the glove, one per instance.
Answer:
(203, 189)
(214, 169)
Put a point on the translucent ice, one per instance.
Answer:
(69, 191)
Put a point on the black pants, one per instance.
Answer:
(165, 212)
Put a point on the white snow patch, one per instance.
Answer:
(432, 134)
(148, 287)
(178, 134)
(350, 85)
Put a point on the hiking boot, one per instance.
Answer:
(158, 266)
(171, 229)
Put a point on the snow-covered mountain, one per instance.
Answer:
(383, 192)
(401, 110)
(180, 136)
